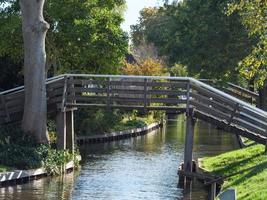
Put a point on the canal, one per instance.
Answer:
(137, 168)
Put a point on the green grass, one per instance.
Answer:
(137, 122)
(5, 168)
(250, 185)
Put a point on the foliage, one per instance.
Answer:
(197, 34)
(96, 121)
(100, 121)
(83, 36)
(20, 151)
(10, 73)
(178, 70)
(254, 15)
(148, 67)
(250, 185)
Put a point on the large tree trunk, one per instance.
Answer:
(34, 30)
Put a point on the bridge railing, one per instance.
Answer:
(234, 90)
(12, 101)
(174, 94)
(165, 93)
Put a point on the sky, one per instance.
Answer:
(133, 9)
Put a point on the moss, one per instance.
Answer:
(252, 183)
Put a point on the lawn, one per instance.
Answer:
(252, 183)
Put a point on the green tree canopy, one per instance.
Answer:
(197, 34)
(83, 36)
(254, 17)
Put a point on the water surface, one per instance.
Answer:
(137, 168)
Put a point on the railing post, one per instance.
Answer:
(70, 130)
(187, 98)
(189, 141)
(64, 95)
(3, 101)
(61, 130)
(109, 94)
(64, 121)
(145, 95)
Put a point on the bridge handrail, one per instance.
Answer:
(255, 94)
(21, 88)
(191, 80)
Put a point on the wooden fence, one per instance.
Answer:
(174, 94)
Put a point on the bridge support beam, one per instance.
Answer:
(189, 141)
(65, 130)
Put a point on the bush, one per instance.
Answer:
(97, 121)
(18, 150)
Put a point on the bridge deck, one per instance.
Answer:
(172, 94)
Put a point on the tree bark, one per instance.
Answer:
(34, 29)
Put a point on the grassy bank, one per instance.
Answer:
(252, 183)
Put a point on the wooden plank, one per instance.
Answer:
(233, 129)
(88, 98)
(12, 110)
(171, 84)
(127, 91)
(210, 110)
(16, 95)
(252, 113)
(243, 90)
(88, 82)
(166, 100)
(238, 96)
(54, 100)
(167, 92)
(55, 92)
(249, 126)
(212, 102)
(126, 83)
(173, 109)
(253, 120)
(215, 96)
(55, 85)
(88, 90)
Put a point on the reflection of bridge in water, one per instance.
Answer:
(198, 100)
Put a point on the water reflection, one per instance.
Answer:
(59, 187)
(137, 168)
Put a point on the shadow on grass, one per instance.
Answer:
(257, 169)
(237, 164)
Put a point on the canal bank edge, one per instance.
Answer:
(119, 135)
(22, 176)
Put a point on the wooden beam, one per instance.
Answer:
(70, 131)
(61, 130)
(189, 141)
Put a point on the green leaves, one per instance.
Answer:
(254, 17)
(85, 36)
(197, 34)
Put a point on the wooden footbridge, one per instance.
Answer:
(197, 99)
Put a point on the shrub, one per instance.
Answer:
(18, 150)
